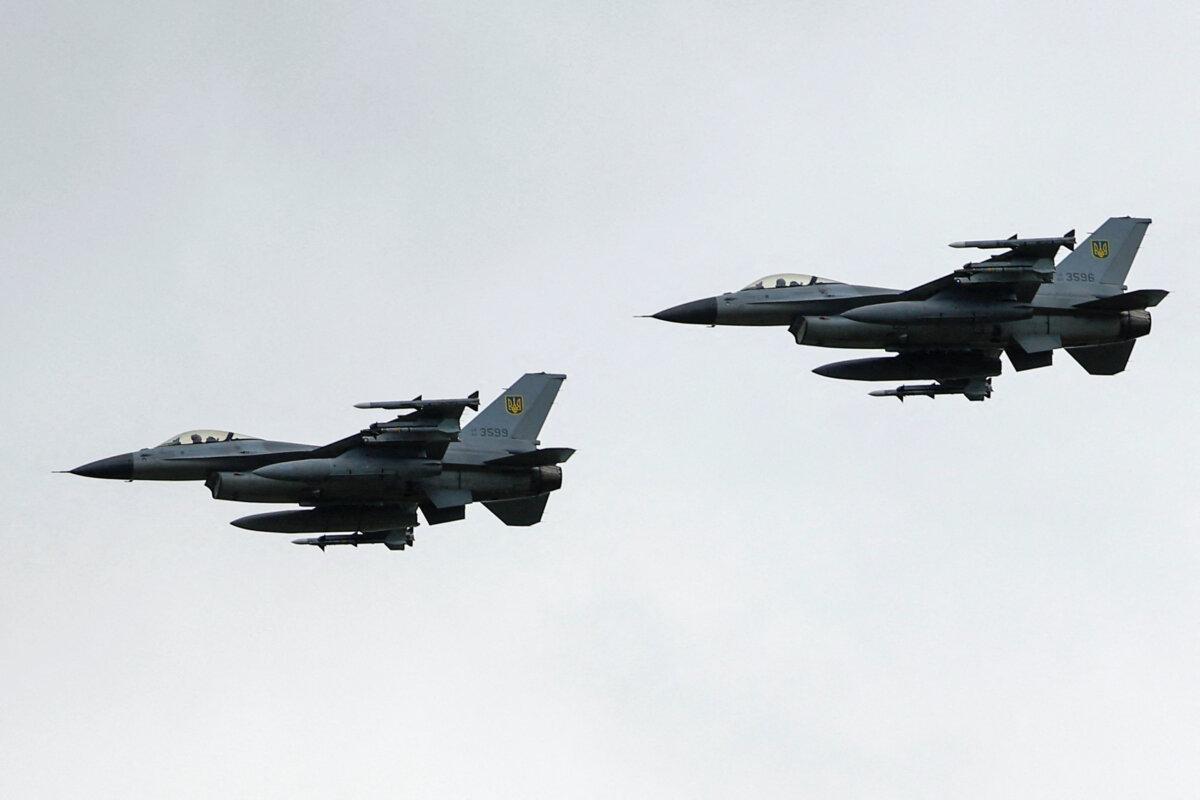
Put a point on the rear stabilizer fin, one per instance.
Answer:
(545, 457)
(517, 415)
(1100, 264)
(521, 513)
(1103, 359)
(1138, 300)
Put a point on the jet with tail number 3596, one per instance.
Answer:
(952, 330)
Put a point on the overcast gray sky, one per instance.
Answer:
(755, 581)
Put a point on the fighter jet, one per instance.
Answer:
(953, 329)
(370, 485)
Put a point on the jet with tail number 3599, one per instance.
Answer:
(952, 330)
(366, 488)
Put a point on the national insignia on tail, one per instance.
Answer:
(1100, 248)
(514, 403)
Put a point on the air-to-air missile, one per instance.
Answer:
(953, 329)
(371, 484)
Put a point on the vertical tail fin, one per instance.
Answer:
(1100, 264)
(517, 415)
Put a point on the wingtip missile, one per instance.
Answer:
(471, 402)
(1012, 243)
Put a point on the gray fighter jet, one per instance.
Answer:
(953, 329)
(371, 484)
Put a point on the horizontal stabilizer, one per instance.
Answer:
(1129, 301)
(524, 512)
(1103, 359)
(546, 457)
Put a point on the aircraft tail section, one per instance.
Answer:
(1099, 265)
(522, 513)
(517, 415)
(1103, 359)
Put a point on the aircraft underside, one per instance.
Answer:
(1070, 329)
(963, 356)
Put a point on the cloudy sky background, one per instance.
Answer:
(755, 581)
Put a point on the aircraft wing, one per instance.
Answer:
(1017, 272)
(978, 282)
(957, 286)
(425, 432)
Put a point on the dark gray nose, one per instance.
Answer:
(697, 312)
(118, 467)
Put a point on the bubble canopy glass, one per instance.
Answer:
(787, 280)
(204, 437)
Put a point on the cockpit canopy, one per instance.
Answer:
(787, 280)
(204, 437)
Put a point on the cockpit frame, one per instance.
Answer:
(786, 280)
(204, 436)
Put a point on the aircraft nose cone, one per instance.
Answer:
(697, 312)
(117, 467)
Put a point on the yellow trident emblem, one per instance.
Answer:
(514, 403)
(1100, 249)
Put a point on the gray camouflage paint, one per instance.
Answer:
(372, 483)
(953, 329)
